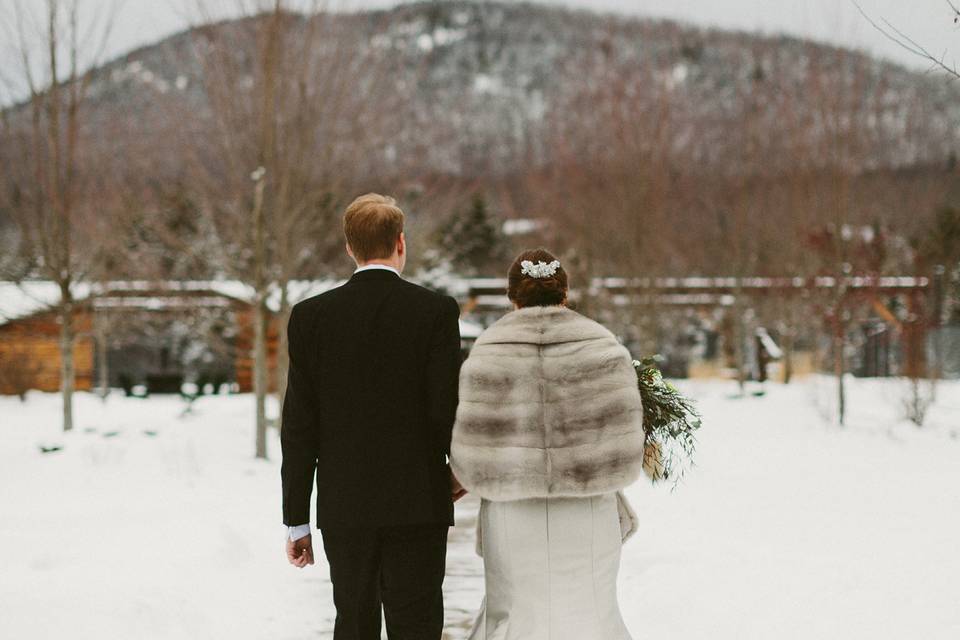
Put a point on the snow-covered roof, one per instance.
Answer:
(19, 300)
(26, 298)
(824, 282)
(519, 226)
(296, 290)
(713, 283)
(470, 330)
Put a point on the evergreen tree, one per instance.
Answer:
(940, 248)
(474, 241)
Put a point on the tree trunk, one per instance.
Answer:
(283, 355)
(935, 322)
(266, 157)
(66, 353)
(739, 339)
(103, 372)
(787, 356)
(260, 317)
(788, 337)
(839, 367)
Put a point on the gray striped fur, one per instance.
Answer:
(549, 406)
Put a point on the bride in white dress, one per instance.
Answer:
(549, 429)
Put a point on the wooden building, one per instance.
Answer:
(141, 333)
(122, 322)
(30, 352)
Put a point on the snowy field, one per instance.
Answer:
(154, 521)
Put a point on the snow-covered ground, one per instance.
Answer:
(156, 522)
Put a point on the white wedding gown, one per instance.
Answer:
(551, 570)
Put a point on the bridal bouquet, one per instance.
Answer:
(670, 422)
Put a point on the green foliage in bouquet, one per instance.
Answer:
(670, 422)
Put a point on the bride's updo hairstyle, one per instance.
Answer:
(525, 290)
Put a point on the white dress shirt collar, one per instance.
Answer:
(369, 267)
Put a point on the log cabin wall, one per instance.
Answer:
(244, 343)
(30, 353)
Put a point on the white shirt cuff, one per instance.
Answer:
(297, 532)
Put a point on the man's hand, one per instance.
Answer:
(300, 552)
(458, 491)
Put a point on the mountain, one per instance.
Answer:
(481, 85)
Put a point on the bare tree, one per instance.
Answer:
(293, 107)
(51, 187)
(611, 185)
(901, 38)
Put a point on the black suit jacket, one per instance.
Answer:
(370, 404)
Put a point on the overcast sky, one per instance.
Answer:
(837, 21)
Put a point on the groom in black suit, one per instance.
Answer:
(370, 405)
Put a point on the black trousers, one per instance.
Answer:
(400, 569)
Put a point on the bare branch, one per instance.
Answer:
(900, 38)
(105, 30)
(25, 35)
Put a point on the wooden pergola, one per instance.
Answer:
(487, 296)
(490, 293)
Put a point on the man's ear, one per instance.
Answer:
(350, 251)
(401, 244)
